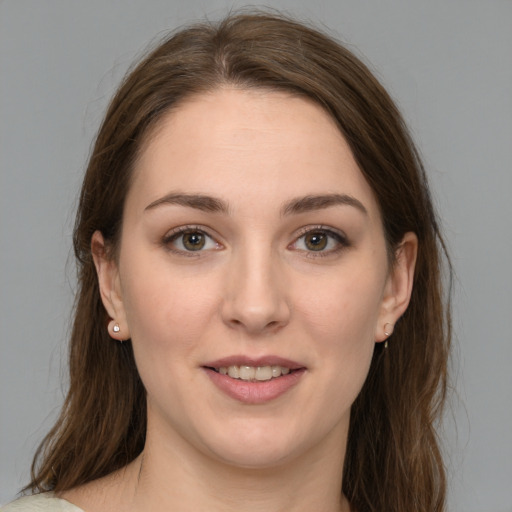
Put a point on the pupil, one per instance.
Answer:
(193, 241)
(316, 241)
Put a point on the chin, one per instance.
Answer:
(257, 457)
(266, 445)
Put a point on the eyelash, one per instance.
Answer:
(175, 234)
(339, 238)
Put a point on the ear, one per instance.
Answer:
(398, 289)
(110, 288)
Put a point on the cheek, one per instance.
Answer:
(341, 319)
(167, 318)
(344, 309)
(164, 311)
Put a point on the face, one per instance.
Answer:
(252, 278)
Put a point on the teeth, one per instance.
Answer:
(276, 371)
(263, 373)
(251, 373)
(247, 372)
(234, 372)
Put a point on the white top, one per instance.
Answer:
(45, 502)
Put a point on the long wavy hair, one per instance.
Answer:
(393, 459)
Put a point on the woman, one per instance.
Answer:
(260, 320)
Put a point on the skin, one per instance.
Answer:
(255, 289)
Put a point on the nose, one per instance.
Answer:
(255, 299)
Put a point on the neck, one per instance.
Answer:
(177, 479)
(174, 476)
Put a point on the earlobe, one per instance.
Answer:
(109, 285)
(398, 287)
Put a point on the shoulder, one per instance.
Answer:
(45, 502)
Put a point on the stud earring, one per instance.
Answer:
(388, 331)
(114, 331)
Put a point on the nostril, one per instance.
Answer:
(256, 307)
(261, 327)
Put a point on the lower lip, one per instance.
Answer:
(255, 392)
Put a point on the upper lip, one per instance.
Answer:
(241, 360)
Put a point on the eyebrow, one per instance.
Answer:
(295, 206)
(310, 203)
(197, 201)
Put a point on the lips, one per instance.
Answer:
(254, 381)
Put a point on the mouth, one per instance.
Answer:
(254, 381)
(253, 373)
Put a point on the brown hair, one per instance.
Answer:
(393, 460)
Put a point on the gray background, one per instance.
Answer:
(448, 64)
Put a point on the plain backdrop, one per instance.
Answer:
(448, 65)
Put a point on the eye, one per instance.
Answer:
(186, 239)
(320, 240)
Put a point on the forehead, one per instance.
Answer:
(244, 144)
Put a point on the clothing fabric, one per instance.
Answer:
(45, 502)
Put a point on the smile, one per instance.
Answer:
(254, 381)
(253, 373)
